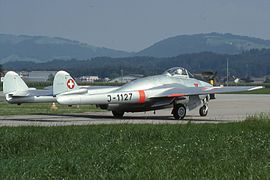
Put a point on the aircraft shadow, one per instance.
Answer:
(95, 117)
(67, 118)
(36, 120)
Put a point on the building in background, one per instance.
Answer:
(89, 78)
(38, 76)
(126, 79)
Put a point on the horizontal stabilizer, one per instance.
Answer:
(32, 89)
(19, 93)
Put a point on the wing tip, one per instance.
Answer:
(255, 88)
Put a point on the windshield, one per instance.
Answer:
(178, 71)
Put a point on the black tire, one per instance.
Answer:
(212, 96)
(118, 114)
(203, 111)
(179, 111)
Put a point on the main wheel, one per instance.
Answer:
(203, 110)
(118, 114)
(179, 111)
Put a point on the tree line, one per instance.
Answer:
(250, 63)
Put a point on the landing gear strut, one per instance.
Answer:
(179, 111)
(118, 114)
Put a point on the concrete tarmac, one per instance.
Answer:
(2, 97)
(226, 108)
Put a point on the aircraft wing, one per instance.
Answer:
(189, 91)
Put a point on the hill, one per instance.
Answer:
(211, 42)
(252, 63)
(43, 48)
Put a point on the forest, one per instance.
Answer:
(255, 63)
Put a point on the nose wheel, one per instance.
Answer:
(179, 111)
(203, 110)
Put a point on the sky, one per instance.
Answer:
(133, 25)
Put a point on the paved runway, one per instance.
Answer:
(2, 97)
(226, 108)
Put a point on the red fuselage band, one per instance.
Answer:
(142, 96)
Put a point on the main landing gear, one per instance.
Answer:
(179, 111)
(118, 114)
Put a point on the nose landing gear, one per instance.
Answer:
(203, 110)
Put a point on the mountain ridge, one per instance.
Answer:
(251, 63)
(44, 48)
(208, 42)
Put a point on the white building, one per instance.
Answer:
(89, 78)
(38, 76)
(126, 79)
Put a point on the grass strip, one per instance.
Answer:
(198, 151)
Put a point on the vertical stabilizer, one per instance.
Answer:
(13, 83)
(63, 82)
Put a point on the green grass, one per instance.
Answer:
(192, 151)
(42, 108)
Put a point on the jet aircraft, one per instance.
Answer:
(176, 88)
(16, 91)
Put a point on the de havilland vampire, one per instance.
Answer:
(17, 92)
(175, 88)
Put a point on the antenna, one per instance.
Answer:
(227, 71)
(122, 74)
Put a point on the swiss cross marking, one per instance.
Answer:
(70, 84)
(196, 84)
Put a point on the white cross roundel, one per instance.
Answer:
(70, 84)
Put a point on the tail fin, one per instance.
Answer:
(63, 82)
(13, 83)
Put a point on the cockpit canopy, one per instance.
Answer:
(178, 72)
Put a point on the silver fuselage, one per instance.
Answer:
(128, 98)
